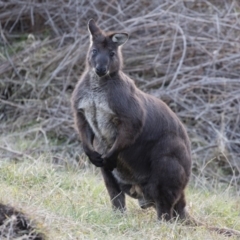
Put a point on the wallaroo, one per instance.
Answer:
(140, 145)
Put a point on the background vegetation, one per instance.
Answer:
(185, 52)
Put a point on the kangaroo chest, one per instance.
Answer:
(100, 118)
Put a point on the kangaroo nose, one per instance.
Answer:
(101, 71)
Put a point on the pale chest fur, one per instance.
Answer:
(102, 120)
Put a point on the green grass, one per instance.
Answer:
(72, 203)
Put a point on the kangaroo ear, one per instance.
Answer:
(93, 28)
(120, 38)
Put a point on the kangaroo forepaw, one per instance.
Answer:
(96, 159)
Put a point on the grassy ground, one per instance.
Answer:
(191, 61)
(71, 203)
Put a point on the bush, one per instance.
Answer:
(186, 53)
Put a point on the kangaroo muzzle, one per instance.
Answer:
(101, 71)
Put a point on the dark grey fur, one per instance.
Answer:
(139, 143)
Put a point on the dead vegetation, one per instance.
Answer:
(186, 52)
(15, 225)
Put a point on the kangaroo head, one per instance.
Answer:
(104, 55)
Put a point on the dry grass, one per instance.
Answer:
(186, 52)
(73, 204)
(16, 225)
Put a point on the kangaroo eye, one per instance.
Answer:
(94, 51)
(112, 54)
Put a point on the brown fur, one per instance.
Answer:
(139, 143)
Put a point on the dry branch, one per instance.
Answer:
(186, 52)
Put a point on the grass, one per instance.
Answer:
(70, 203)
